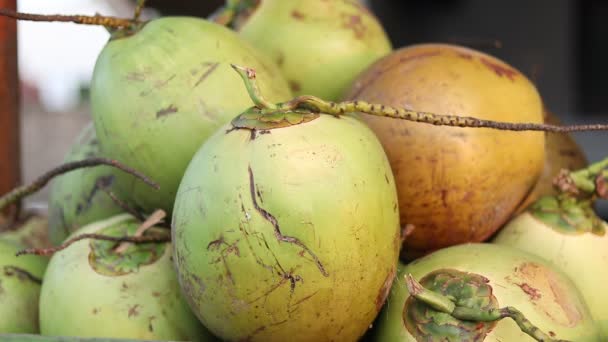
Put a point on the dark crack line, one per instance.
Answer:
(285, 277)
(258, 259)
(101, 183)
(277, 230)
(211, 69)
(21, 273)
(231, 248)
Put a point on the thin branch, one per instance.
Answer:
(23, 191)
(21, 273)
(138, 9)
(97, 20)
(155, 218)
(122, 204)
(66, 244)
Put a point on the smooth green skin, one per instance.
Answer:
(497, 263)
(328, 183)
(321, 46)
(583, 257)
(156, 96)
(77, 301)
(19, 297)
(71, 205)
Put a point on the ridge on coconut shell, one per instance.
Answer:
(455, 185)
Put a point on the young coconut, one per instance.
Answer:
(92, 288)
(320, 45)
(20, 279)
(466, 183)
(159, 92)
(561, 152)
(564, 230)
(82, 196)
(286, 227)
(484, 292)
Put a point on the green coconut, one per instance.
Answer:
(90, 290)
(32, 232)
(78, 198)
(20, 279)
(479, 277)
(286, 227)
(320, 45)
(157, 94)
(565, 230)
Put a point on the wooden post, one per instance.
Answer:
(10, 170)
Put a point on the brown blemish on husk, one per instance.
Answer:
(533, 293)
(558, 305)
(157, 85)
(297, 15)
(354, 23)
(133, 311)
(601, 188)
(136, 76)
(498, 69)
(294, 86)
(166, 111)
(385, 289)
(464, 55)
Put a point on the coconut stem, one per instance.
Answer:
(25, 190)
(227, 14)
(340, 108)
(138, 9)
(590, 180)
(66, 244)
(122, 204)
(318, 105)
(249, 77)
(446, 304)
(155, 218)
(98, 20)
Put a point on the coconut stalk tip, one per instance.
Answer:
(445, 304)
(433, 299)
(249, 78)
(26, 190)
(589, 181)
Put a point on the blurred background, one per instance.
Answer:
(559, 44)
